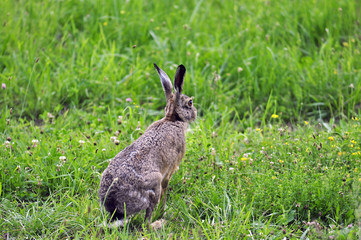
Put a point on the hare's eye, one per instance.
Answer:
(190, 102)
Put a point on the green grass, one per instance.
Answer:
(268, 181)
(300, 57)
(69, 67)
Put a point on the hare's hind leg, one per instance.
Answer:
(153, 186)
(163, 195)
(150, 209)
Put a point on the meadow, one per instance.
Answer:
(275, 150)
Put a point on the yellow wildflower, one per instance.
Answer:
(258, 130)
(281, 161)
(345, 44)
(331, 138)
(274, 116)
(105, 23)
(273, 177)
(335, 71)
(306, 123)
(243, 159)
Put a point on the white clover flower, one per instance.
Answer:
(81, 142)
(231, 169)
(103, 149)
(7, 144)
(35, 142)
(113, 138)
(49, 115)
(139, 126)
(116, 142)
(62, 158)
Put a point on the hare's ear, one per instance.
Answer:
(179, 79)
(166, 83)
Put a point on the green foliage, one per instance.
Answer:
(78, 86)
(85, 53)
(273, 181)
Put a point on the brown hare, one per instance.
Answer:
(137, 178)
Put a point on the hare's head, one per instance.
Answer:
(179, 106)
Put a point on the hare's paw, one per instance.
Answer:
(158, 224)
(113, 225)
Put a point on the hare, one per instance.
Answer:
(137, 178)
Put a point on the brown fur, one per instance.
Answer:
(137, 178)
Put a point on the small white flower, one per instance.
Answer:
(62, 158)
(113, 138)
(139, 125)
(231, 169)
(116, 142)
(213, 151)
(35, 142)
(7, 144)
(103, 149)
(81, 142)
(49, 115)
(217, 77)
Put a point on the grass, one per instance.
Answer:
(270, 182)
(297, 58)
(274, 153)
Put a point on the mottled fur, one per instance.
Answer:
(137, 178)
